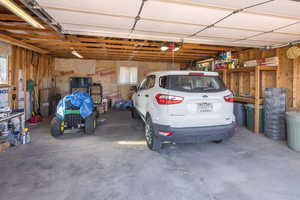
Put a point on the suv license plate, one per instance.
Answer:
(205, 107)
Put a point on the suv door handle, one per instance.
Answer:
(146, 95)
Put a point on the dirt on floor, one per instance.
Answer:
(115, 164)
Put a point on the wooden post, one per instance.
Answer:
(241, 84)
(296, 87)
(225, 76)
(278, 72)
(257, 99)
(25, 64)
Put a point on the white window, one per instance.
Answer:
(3, 70)
(128, 75)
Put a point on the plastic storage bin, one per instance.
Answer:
(250, 113)
(293, 130)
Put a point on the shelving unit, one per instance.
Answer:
(257, 81)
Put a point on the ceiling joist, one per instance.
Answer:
(19, 43)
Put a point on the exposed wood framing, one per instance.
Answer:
(257, 98)
(17, 32)
(19, 43)
(296, 83)
(34, 66)
(256, 76)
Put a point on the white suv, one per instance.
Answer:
(184, 106)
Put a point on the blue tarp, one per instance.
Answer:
(80, 99)
(123, 104)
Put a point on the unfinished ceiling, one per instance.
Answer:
(250, 23)
(136, 29)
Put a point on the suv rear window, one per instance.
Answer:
(192, 83)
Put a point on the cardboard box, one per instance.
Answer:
(45, 94)
(4, 146)
(45, 109)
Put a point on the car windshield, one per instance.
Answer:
(192, 83)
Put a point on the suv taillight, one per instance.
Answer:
(229, 98)
(166, 99)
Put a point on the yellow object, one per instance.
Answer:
(95, 123)
(62, 126)
(293, 52)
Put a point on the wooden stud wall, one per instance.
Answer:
(34, 66)
(287, 76)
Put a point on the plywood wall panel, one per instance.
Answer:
(107, 73)
(285, 73)
(285, 77)
(23, 65)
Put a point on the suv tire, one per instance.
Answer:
(153, 142)
(217, 141)
(90, 124)
(134, 113)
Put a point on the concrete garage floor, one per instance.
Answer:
(116, 164)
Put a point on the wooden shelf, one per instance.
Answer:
(247, 100)
(221, 70)
(256, 76)
(252, 69)
(4, 86)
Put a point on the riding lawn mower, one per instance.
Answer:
(74, 111)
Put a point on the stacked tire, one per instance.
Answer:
(275, 108)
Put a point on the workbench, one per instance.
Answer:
(11, 116)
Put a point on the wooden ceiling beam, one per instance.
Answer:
(208, 47)
(166, 55)
(142, 55)
(10, 17)
(23, 28)
(184, 45)
(195, 52)
(169, 53)
(68, 45)
(98, 39)
(132, 59)
(35, 36)
(19, 43)
(127, 56)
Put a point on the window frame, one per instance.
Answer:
(6, 84)
(128, 70)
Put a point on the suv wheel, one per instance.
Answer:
(152, 141)
(134, 113)
(217, 141)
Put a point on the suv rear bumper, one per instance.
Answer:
(195, 134)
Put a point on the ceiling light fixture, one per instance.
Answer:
(21, 13)
(75, 53)
(172, 46)
(176, 48)
(164, 47)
